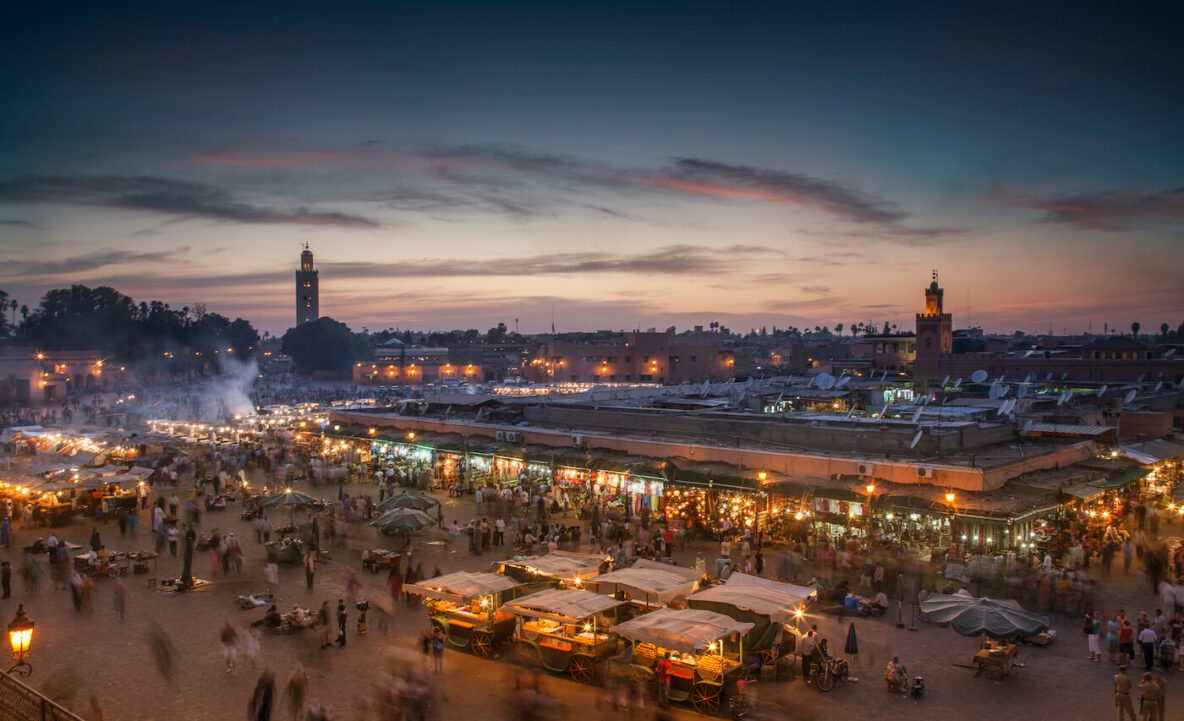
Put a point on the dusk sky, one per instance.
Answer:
(757, 165)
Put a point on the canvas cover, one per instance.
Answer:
(1002, 619)
(685, 631)
(462, 586)
(563, 605)
(769, 598)
(560, 564)
(650, 580)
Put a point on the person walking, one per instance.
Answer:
(120, 597)
(1122, 695)
(6, 580)
(664, 668)
(342, 618)
(438, 650)
(1093, 626)
(229, 649)
(1147, 641)
(310, 568)
(324, 618)
(297, 692)
(262, 700)
(1151, 698)
(1159, 680)
(251, 642)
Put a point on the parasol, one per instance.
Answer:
(408, 500)
(291, 499)
(852, 646)
(403, 520)
(1000, 619)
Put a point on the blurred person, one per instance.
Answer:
(297, 692)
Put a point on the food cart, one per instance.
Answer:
(557, 568)
(706, 652)
(467, 606)
(565, 630)
(647, 584)
(771, 606)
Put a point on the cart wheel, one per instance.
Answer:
(825, 681)
(705, 697)
(480, 644)
(580, 667)
(528, 655)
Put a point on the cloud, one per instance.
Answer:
(816, 289)
(19, 223)
(1101, 210)
(87, 262)
(704, 177)
(489, 167)
(161, 195)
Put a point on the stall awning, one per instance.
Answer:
(562, 605)
(771, 598)
(1085, 492)
(1125, 478)
(462, 586)
(685, 631)
(560, 564)
(655, 581)
(1152, 452)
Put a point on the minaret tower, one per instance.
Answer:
(308, 304)
(935, 334)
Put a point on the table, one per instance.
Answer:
(995, 663)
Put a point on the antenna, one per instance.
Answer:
(978, 376)
(917, 438)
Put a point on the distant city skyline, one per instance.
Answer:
(620, 169)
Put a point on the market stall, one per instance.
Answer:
(706, 652)
(564, 629)
(648, 583)
(561, 568)
(467, 606)
(769, 605)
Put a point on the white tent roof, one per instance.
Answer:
(462, 585)
(561, 564)
(764, 596)
(27, 431)
(685, 631)
(567, 605)
(657, 581)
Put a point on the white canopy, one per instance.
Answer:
(685, 631)
(27, 431)
(462, 586)
(561, 564)
(563, 605)
(656, 581)
(764, 596)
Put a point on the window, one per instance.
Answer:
(628, 359)
(646, 378)
(694, 358)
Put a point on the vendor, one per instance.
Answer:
(271, 619)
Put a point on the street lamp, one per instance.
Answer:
(20, 635)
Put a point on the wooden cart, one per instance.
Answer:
(995, 662)
(565, 630)
(706, 650)
(467, 607)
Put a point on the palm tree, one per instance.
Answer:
(1163, 330)
(839, 329)
(1135, 329)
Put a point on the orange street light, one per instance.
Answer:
(950, 497)
(762, 475)
(20, 636)
(372, 431)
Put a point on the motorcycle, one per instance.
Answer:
(743, 700)
(831, 670)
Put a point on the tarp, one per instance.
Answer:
(1152, 452)
(771, 598)
(1084, 492)
(564, 565)
(1125, 478)
(685, 631)
(654, 581)
(462, 586)
(403, 520)
(562, 605)
(1002, 619)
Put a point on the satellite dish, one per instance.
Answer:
(1011, 405)
(1027, 428)
(945, 382)
(850, 412)
(1029, 378)
(826, 381)
(1064, 375)
(1061, 398)
(1169, 352)
(1069, 395)
(1002, 409)
(843, 381)
(811, 383)
(999, 379)
(1048, 376)
(1102, 391)
(917, 415)
(1140, 378)
(916, 438)
(1129, 396)
(978, 376)
(1158, 385)
(1160, 375)
(882, 412)
(883, 376)
(995, 393)
(958, 383)
(706, 389)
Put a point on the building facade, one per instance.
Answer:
(308, 300)
(633, 358)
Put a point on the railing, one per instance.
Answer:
(19, 702)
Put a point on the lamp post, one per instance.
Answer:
(20, 636)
